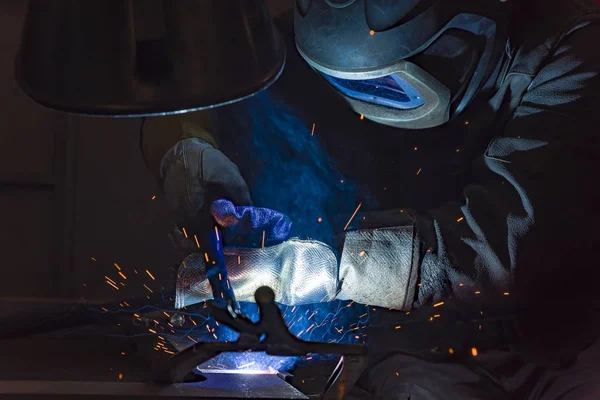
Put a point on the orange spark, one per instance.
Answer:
(460, 219)
(352, 217)
(122, 275)
(362, 117)
(206, 256)
(196, 238)
(117, 266)
(419, 171)
(319, 219)
(153, 197)
(148, 288)
(113, 285)
(474, 351)
(239, 260)
(184, 232)
(263, 240)
(93, 259)
(506, 293)
(466, 122)
(441, 303)
(150, 275)
(217, 233)
(312, 132)
(371, 32)
(152, 330)
(477, 292)
(120, 376)
(451, 350)
(398, 327)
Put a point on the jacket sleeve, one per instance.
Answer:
(528, 221)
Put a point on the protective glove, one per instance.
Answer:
(302, 271)
(194, 174)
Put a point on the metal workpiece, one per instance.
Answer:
(158, 57)
(270, 335)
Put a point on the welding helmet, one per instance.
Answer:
(404, 63)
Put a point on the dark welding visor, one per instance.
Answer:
(146, 57)
(402, 95)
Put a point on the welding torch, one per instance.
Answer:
(211, 244)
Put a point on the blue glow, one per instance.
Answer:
(390, 91)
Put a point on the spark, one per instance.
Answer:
(83, 284)
(451, 350)
(126, 303)
(215, 336)
(311, 315)
(122, 275)
(263, 240)
(352, 217)
(362, 117)
(189, 337)
(441, 303)
(309, 358)
(474, 351)
(362, 253)
(220, 277)
(93, 259)
(196, 239)
(310, 327)
(103, 309)
(122, 284)
(113, 285)
(416, 148)
(150, 290)
(371, 32)
(419, 171)
(466, 122)
(108, 279)
(398, 327)
(206, 256)
(312, 132)
(150, 275)
(357, 337)
(461, 284)
(480, 326)
(120, 376)
(117, 266)
(506, 293)
(217, 233)
(208, 328)
(397, 374)
(152, 330)
(167, 314)
(349, 305)
(169, 352)
(460, 219)
(457, 150)
(239, 260)
(193, 322)
(184, 232)
(246, 365)
(362, 315)
(228, 285)
(153, 197)
(436, 315)
(319, 219)
(477, 292)
(122, 353)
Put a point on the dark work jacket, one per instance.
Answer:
(503, 196)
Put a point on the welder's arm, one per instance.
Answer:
(527, 213)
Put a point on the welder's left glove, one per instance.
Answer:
(298, 271)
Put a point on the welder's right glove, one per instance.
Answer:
(371, 270)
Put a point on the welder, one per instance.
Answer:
(505, 95)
